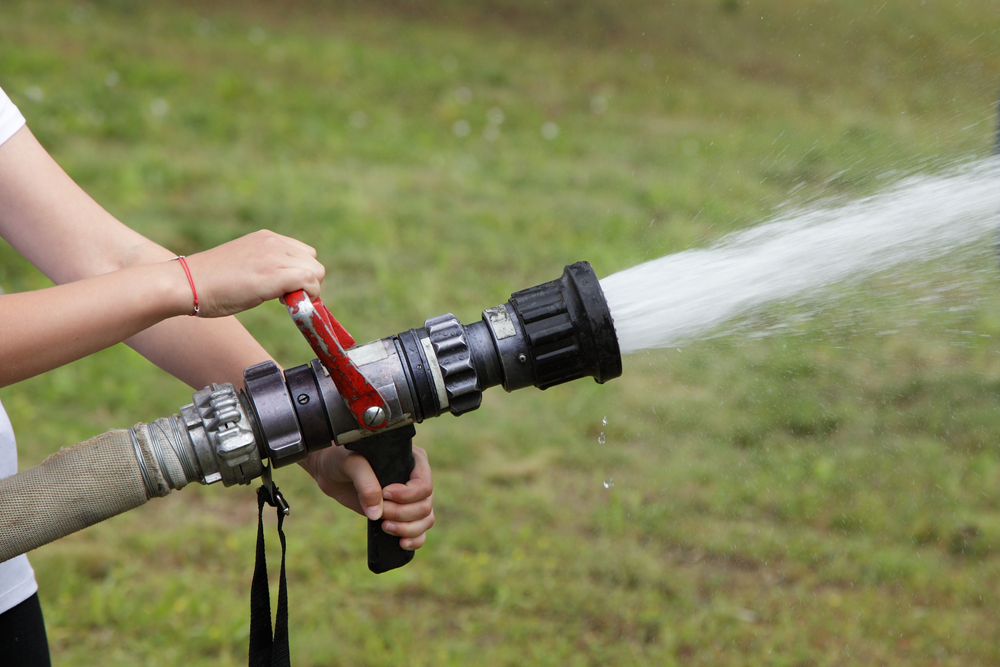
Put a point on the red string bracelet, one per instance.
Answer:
(194, 292)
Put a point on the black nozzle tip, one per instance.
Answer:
(569, 329)
(596, 318)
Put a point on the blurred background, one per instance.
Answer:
(829, 495)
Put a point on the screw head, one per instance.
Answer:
(522, 358)
(302, 399)
(374, 416)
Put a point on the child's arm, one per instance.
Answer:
(113, 285)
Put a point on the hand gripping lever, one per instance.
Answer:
(390, 453)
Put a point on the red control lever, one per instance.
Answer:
(329, 340)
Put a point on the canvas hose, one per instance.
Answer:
(88, 483)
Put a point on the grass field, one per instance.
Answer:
(827, 497)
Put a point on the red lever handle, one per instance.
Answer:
(329, 340)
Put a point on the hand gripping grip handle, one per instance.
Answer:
(390, 454)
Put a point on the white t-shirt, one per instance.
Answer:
(17, 579)
(11, 119)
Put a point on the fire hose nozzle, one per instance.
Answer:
(363, 397)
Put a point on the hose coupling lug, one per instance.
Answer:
(222, 436)
(235, 444)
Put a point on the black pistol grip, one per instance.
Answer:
(391, 457)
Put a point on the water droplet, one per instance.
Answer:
(550, 131)
(495, 115)
(609, 482)
(111, 79)
(601, 439)
(463, 95)
(604, 420)
(461, 128)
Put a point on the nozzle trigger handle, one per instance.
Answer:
(390, 454)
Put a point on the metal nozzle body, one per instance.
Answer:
(543, 336)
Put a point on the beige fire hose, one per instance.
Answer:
(209, 441)
(83, 485)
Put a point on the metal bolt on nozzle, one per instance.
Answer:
(374, 416)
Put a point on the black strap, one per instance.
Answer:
(267, 650)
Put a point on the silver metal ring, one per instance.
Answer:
(160, 461)
(147, 479)
(186, 454)
(181, 453)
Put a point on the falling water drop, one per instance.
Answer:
(609, 482)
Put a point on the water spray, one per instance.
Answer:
(797, 256)
(366, 398)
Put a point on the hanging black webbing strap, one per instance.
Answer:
(267, 650)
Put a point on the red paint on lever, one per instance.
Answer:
(329, 340)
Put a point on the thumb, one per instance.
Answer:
(366, 483)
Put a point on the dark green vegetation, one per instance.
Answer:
(827, 498)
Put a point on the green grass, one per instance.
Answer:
(829, 496)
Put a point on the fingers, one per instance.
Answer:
(252, 269)
(295, 243)
(294, 278)
(419, 486)
(296, 264)
(414, 543)
(369, 491)
(409, 528)
(291, 263)
(411, 535)
(409, 508)
(408, 512)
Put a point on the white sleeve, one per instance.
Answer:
(11, 119)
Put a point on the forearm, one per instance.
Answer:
(62, 231)
(200, 351)
(54, 224)
(47, 328)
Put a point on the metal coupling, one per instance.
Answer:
(222, 436)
